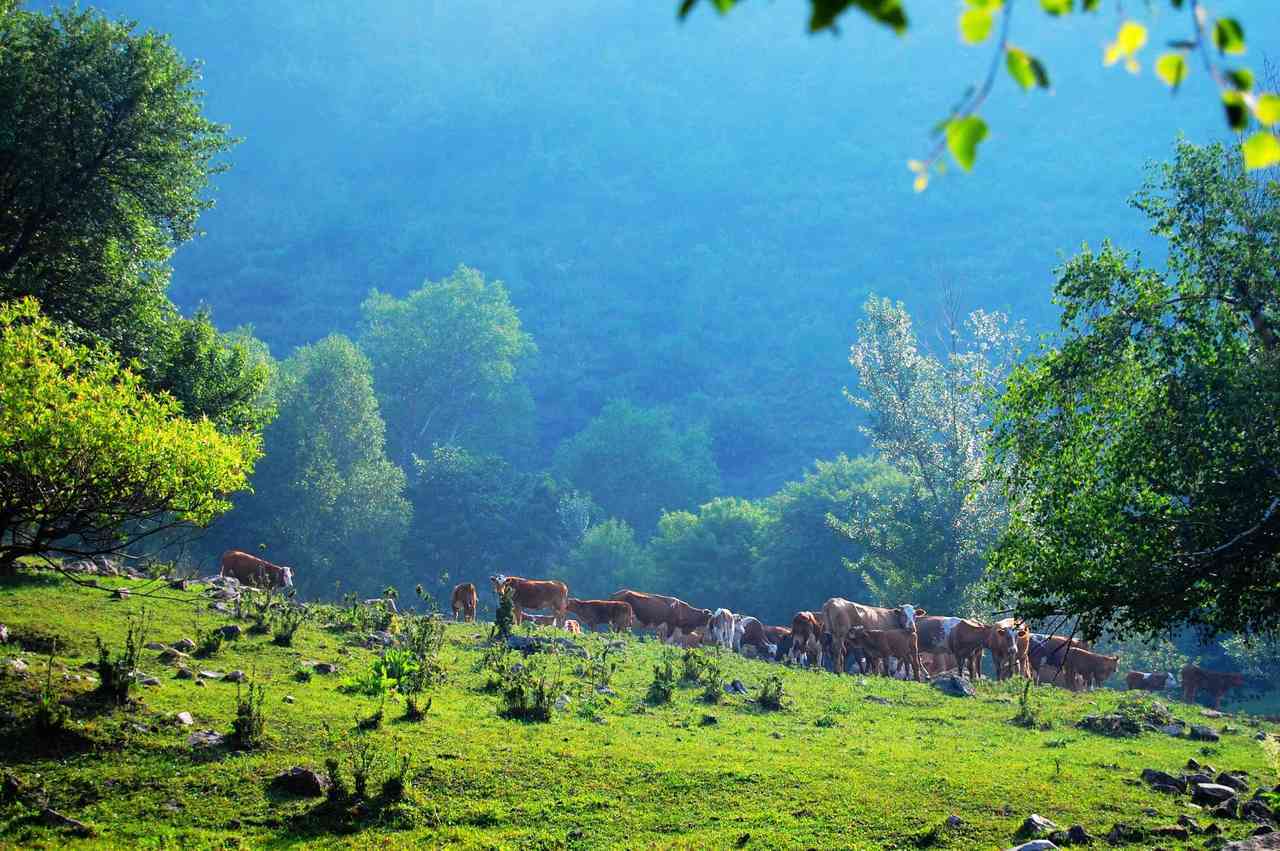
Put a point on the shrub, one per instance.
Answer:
(692, 664)
(303, 675)
(413, 711)
(712, 681)
(394, 786)
(50, 716)
(364, 757)
(261, 604)
(771, 693)
(286, 623)
(396, 664)
(599, 670)
(504, 617)
(372, 683)
(664, 680)
(116, 675)
(529, 694)
(208, 642)
(337, 786)
(248, 730)
(374, 721)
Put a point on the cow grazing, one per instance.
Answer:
(1009, 640)
(1094, 668)
(721, 628)
(806, 638)
(882, 645)
(840, 615)
(611, 613)
(1195, 678)
(1053, 675)
(464, 599)
(962, 638)
(533, 594)
(752, 634)
(1051, 650)
(654, 609)
(258, 572)
(1149, 682)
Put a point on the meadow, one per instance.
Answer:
(847, 762)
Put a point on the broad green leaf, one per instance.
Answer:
(1228, 35)
(963, 136)
(1237, 111)
(1261, 150)
(1172, 68)
(1267, 108)
(975, 25)
(1241, 79)
(1056, 7)
(1130, 38)
(1026, 69)
(888, 12)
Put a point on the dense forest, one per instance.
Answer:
(593, 294)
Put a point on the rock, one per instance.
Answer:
(875, 698)
(606, 691)
(1192, 764)
(1190, 824)
(1211, 793)
(1172, 729)
(231, 631)
(16, 667)
(184, 718)
(153, 645)
(1256, 810)
(1266, 842)
(178, 584)
(220, 607)
(1198, 777)
(954, 685)
(186, 645)
(1232, 780)
(302, 781)
(1261, 736)
(211, 675)
(562, 702)
(1035, 845)
(200, 683)
(169, 656)
(53, 818)
(1172, 831)
(1230, 808)
(1228, 730)
(735, 687)
(149, 681)
(206, 739)
(4, 634)
(1210, 713)
(1156, 778)
(530, 644)
(1263, 830)
(120, 594)
(1201, 733)
(237, 677)
(1077, 835)
(1126, 834)
(184, 673)
(1035, 825)
(955, 822)
(326, 668)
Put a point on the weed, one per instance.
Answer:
(337, 786)
(372, 683)
(303, 675)
(529, 693)
(248, 730)
(504, 617)
(413, 711)
(286, 623)
(393, 788)
(1028, 714)
(599, 670)
(664, 680)
(364, 757)
(261, 605)
(50, 716)
(692, 664)
(116, 675)
(825, 721)
(208, 642)
(374, 721)
(771, 693)
(712, 681)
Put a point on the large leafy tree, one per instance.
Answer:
(608, 557)
(326, 498)
(445, 361)
(91, 462)
(636, 463)
(714, 556)
(1141, 452)
(104, 162)
(928, 418)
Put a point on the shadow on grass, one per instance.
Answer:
(30, 578)
(347, 815)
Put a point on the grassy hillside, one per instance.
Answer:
(850, 762)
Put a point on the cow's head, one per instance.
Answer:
(1007, 638)
(907, 615)
(286, 576)
(498, 581)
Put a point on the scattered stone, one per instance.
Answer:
(875, 698)
(4, 634)
(1261, 736)
(1077, 835)
(186, 645)
(206, 739)
(302, 781)
(153, 645)
(184, 673)
(1256, 810)
(231, 631)
(1266, 842)
(954, 685)
(1034, 826)
(237, 677)
(735, 687)
(1229, 730)
(149, 681)
(1126, 834)
(1035, 845)
(1233, 780)
(1201, 733)
(325, 668)
(1174, 730)
(1172, 831)
(562, 702)
(16, 667)
(211, 675)
(184, 718)
(1162, 782)
(1230, 808)
(1211, 793)
(606, 691)
(288, 698)
(220, 607)
(142, 728)
(1198, 777)
(120, 594)
(170, 655)
(53, 818)
(530, 644)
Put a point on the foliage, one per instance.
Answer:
(608, 557)
(394, 786)
(285, 625)
(50, 716)
(693, 663)
(636, 462)
(116, 676)
(208, 641)
(248, 729)
(1147, 427)
(363, 755)
(663, 686)
(372, 683)
(503, 618)
(928, 418)
(712, 679)
(121, 462)
(714, 554)
(325, 495)
(529, 692)
(445, 360)
(1257, 656)
(772, 695)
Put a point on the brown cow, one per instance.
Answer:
(883, 644)
(688, 640)
(258, 572)
(1216, 683)
(1095, 668)
(1053, 675)
(840, 615)
(613, 613)
(653, 609)
(806, 637)
(1143, 681)
(753, 635)
(1051, 649)
(962, 638)
(777, 636)
(465, 599)
(533, 594)
(1008, 640)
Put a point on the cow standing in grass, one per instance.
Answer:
(1094, 668)
(1143, 681)
(1195, 678)
(721, 628)
(806, 638)
(961, 638)
(883, 646)
(533, 594)
(654, 610)
(1009, 642)
(464, 600)
(258, 572)
(611, 613)
(840, 615)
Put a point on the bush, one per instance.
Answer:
(364, 757)
(248, 730)
(208, 642)
(504, 617)
(374, 721)
(116, 675)
(372, 683)
(413, 711)
(692, 664)
(261, 604)
(664, 680)
(50, 716)
(712, 681)
(337, 786)
(771, 693)
(394, 786)
(529, 694)
(599, 670)
(286, 624)
(303, 675)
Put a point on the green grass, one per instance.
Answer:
(831, 770)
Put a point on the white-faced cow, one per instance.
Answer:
(840, 615)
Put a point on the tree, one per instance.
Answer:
(928, 419)
(636, 463)
(607, 558)
(445, 360)
(326, 498)
(1140, 453)
(714, 556)
(90, 461)
(962, 130)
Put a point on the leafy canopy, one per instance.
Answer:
(90, 460)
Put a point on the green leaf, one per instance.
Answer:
(1228, 35)
(1130, 38)
(1261, 150)
(1241, 79)
(1056, 7)
(1172, 68)
(887, 12)
(1237, 112)
(1025, 69)
(1267, 108)
(975, 25)
(963, 136)
(1091, 5)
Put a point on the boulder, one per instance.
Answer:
(184, 673)
(231, 631)
(1035, 825)
(326, 668)
(955, 822)
(1201, 733)
(185, 645)
(1035, 845)
(1235, 781)
(954, 685)
(1172, 729)
(306, 782)
(1211, 793)
(120, 594)
(171, 656)
(1077, 835)
(1198, 777)
(153, 645)
(1230, 808)
(184, 719)
(1190, 824)
(530, 644)
(1266, 842)
(211, 675)
(149, 681)
(1162, 782)
(206, 739)
(16, 667)
(1126, 834)
(237, 677)
(222, 608)
(1172, 831)
(1256, 810)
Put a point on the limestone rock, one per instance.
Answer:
(1034, 826)
(954, 685)
(1211, 793)
(302, 781)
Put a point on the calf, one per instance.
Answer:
(964, 639)
(687, 640)
(1009, 640)
(806, 638)
(465, 600)
(885, 644)
(1053, 675)
(721, 628)
(612, 613)
(1149, 682)
(1094, 668)
(1216, 683)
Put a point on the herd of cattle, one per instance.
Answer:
(904, 641)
